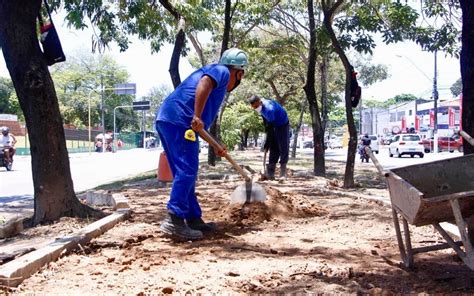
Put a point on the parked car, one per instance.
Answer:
(335, 143)
(374, 143)
(410, 144)
(444, 144)
(308, 144)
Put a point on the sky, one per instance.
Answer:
(411, 70)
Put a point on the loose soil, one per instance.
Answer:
(310, 236)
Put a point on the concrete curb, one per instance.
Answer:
(16, 271)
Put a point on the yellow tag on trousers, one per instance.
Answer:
(190, 135)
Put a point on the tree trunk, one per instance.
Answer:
(177, 49)
(246, 138)
(467, 71)
(309, 88)
(215, 129)
(324, 90)
(297, 129)
(53, 187)
(351, 152)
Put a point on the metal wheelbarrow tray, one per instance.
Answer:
(431, 193)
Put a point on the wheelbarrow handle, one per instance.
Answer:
(208, 138)
(467, 137)
(375, 161)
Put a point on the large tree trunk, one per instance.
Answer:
(178, 48)
(309, 88)
(329, 12)
(178, 43)
(53, 188)
(467, 71)
(215, 129)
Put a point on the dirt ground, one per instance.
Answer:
(310, 236)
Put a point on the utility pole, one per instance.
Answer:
(435, 98)
(102, 107)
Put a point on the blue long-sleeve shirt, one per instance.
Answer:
(273, 113)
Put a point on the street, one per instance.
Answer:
(91, 170)
(386, 161)
(88, 171)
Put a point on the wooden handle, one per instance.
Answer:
(208, 138)
(375, 161)
(468, 138)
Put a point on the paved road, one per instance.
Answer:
(386, 161)
(88, 171)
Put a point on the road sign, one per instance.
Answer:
(125, 89)
(141, 105)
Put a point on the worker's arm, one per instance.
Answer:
(203, 90)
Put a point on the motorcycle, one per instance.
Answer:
(363, 153)
(3, 161)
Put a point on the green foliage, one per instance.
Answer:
(85, 75)
(8, 101)
(156, 96)
(337, 116)
(435, 29)
(397, 100)
(368, 72)
(236, 119)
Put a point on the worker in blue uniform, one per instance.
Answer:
(191, 107)
(277, 128)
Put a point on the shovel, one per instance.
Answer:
(263, 173)
(245, 193)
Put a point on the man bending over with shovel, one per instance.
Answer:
(278, 133)
(190, 108)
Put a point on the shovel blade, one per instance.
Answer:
(239, 196)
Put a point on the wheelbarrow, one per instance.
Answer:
(429, 194)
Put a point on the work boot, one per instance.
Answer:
(283, 170)
(174, 225)
(271, 167)
(199, 224)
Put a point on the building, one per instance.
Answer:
(415, 115)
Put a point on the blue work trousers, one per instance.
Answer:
(279, 143)
(183, 158)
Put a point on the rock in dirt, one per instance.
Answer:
(167, 290)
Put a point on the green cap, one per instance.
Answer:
(234, 57)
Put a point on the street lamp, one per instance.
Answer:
(435, 107)
(89, 116)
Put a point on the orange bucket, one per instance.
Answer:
(164, 171)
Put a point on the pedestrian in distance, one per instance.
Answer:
(190, 108)
(365, 141)
(277, 128)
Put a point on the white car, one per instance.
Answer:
(374, 144)
(410, 144)
(335, 143)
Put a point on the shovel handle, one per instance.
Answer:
(208, 138)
